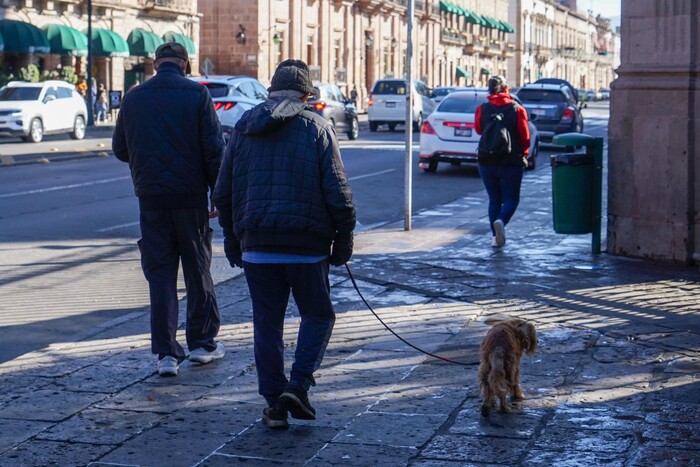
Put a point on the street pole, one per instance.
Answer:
(408, 182)
(90, 106)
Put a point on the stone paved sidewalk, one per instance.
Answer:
(615, 380)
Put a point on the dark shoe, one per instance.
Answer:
(275, 416)
(296, 401)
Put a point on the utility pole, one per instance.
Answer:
(90, 104)
(408, 182)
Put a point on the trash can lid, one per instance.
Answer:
(571, 159)
(573, 139)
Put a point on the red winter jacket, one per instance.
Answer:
(523, 130)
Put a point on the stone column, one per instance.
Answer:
(653, 177)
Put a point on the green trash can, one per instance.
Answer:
(572, 193)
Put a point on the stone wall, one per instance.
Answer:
(653, 171)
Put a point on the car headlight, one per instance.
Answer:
(15, 113)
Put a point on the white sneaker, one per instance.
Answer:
(494, 243)
(201, 355)
(500, 229)
(168, 366)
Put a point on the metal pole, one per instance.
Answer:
(408, 182)
(597, 193)
(90, 105)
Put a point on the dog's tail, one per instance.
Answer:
(497, 375)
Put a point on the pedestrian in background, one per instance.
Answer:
(502, 176)
(285, 204)
(101, 105)
(169, 134)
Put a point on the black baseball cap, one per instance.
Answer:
(174, 50)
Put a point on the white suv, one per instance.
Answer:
(32, 110)
(387, 104)
(232, 95)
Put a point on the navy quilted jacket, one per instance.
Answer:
(282, 186)
(169, 134)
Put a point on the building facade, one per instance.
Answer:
(457, 42)
(125, 36)
(556, 41)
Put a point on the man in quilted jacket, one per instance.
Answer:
(287, 214)
(169, 134)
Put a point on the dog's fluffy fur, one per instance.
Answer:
(499, 371)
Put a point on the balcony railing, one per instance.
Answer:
(171, 5)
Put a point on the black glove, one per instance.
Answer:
(232, 249)
(342, 250)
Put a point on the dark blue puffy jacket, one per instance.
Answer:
(282, 186)
(169, 134)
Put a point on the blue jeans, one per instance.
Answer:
(269, 286)
(502, 184)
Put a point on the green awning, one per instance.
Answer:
(485, 71)
(461, 72)
(65, 40)
(493, 23)
(447, 6)
(182, 39)
(507, 27)
(143, 43)
(458, 9)
(106, 43)
(23, 38)
(478, 19)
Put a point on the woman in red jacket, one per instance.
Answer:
(502, 173)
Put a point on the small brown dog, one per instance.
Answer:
(499, 371)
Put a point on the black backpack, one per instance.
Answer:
(496, 142)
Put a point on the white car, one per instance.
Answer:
(32, 110)
(387, 104)
(448, 134)
(232, 95)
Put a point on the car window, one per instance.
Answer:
(64, 93)
(441, 92)
(538, 95)
(337, 94)
(390, 87)
(51, 91)
(260, 91)
(216, 89)
(465, 105)
(246, 88)
(20, 94)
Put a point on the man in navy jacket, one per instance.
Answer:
(287, 214)
(168, 132)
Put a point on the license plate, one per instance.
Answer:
(463, 131)
(391, 104)
(539, 112)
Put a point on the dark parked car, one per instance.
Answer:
(564, 82)
(330, 103)
(552, 108)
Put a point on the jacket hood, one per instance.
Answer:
(501, 99)
(270, 115)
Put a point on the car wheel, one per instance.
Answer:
(532, 163)
(418, 123)
(354, 132)
(78, 128)
(373, 126)
(36, 131)
(392, 126)
(432, 167)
